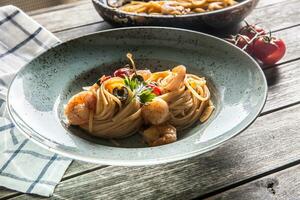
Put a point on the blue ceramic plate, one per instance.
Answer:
(39, 91)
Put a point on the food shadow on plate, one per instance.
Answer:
(135, 140)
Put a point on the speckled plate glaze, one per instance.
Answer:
(217, 19)
(39, 91)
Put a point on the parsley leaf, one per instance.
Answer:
(146, 96)
(142, 92)
(132, 83)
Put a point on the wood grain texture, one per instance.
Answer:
(72, 16)
(277, 16)
(80, 31)
(4, 192)
(282, 185)
(272, 141)
(59, 7)
(264, 3)
(284, 84)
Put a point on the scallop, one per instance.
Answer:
(156, 112)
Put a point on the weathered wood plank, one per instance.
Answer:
(272, 141)
(281, 185)
(284, 84)
(82, 166)
(73, 16)
(59, 7)
(263, 3)
(4, 192)
(277, 16)
(77, 32)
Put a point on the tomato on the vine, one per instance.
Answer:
(268, 50)
(252, 30)
(242, 41)
(255, 41)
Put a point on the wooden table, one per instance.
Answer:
(261, 163)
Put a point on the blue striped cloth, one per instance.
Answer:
(24, 166)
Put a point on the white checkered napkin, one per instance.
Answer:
(24, 166)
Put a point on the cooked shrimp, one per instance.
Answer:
(156, 111)
(159, 135)
(144, 73)
(175, 81)
(215, 6)
(158, 75)
(93, 88)
(171, 8)
(79, 107)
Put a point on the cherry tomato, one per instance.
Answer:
(122, 72)
(268, 50)
(155, 89)
(252, 30)
(242, 41)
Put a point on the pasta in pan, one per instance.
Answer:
(157, 104)
(175, 7)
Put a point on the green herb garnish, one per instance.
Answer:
(137, 85)
(146, 96)
(131, 83)
(139, 88)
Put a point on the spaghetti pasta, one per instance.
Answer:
(175, 7)
(158, 103)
